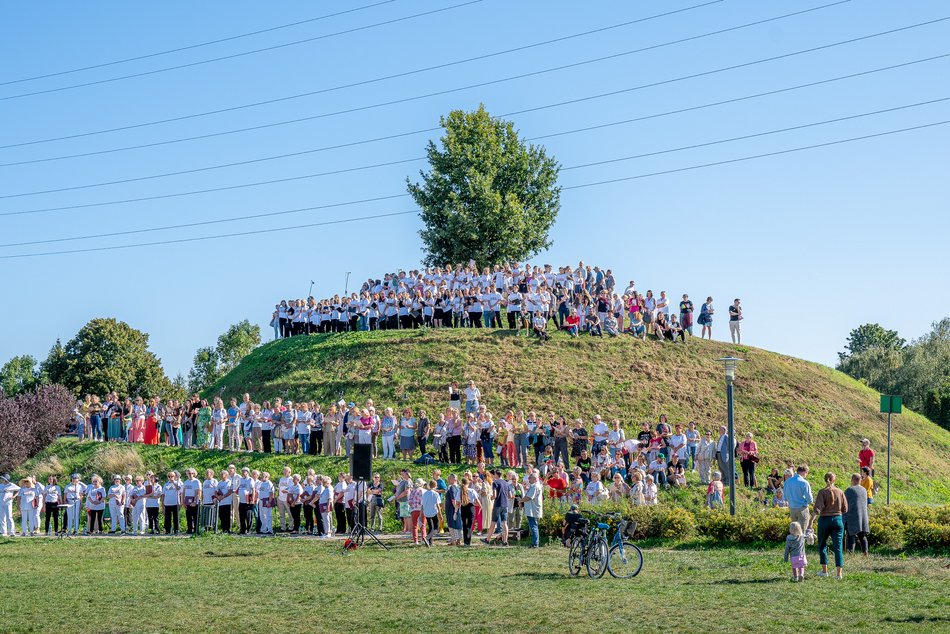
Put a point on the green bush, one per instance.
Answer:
(674, 522)
(886, 526)
(924, 535)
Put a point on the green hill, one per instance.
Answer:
(798, 411)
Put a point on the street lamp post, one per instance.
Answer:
(731, 363)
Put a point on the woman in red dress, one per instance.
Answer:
(151, 422)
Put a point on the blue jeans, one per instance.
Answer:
(691, 458)
(660, 477)
(533, 530)
(471, 407)
(521, 445)
(305, 443)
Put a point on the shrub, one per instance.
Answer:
(112, 459)
(887, 529)
(924, 535)
(674, 522)
(30, 421)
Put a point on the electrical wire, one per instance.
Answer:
(193, 46)
(188, 225)
(242, 54)
(403, 100)
(572, 187)
(358, 83)
(313, 150)
(535, 138)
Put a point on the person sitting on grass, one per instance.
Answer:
(657, 469)
(675, 330)
(594, 327)
(778, 499)
(596, 492)
(573, 520)
(618, 488)
(540, 326)
(649, 492)
(637, 328)
(572, 324)
(611, 326)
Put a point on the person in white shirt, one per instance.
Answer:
(595, 490)
(265, 504)
(295, 502)
(245, 496)
(52, 497)
(73, 496)
(678, 444)
(600, 433)
(27, 494)
(137, 498)
(283, 509)
(153, 500)
(224, 496)
(208, 488)
(116, 497)
(127, 507)
(191, 497)
(171, 498)
(615, 439)
(95, 505)
(8, 491)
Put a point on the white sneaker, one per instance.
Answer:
(822, 574)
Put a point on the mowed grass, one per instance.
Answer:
(217, 584)
(799, 411)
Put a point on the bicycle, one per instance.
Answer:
(624, 559)
(588, 548)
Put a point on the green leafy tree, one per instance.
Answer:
(869, 336)
(204, 370)
(19, 374)
(488, 196)
(236, 343)
(211, 363)
(107, 355)
(53, 368)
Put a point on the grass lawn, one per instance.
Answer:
(236, 585)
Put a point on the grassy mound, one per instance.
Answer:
(798, 411)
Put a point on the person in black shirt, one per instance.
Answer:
(735, 317)
(686, 314)
(584, 463)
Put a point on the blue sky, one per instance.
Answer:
(814, 242)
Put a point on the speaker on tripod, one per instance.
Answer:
(361, 462)
(361, 468)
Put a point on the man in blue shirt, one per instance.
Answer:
(798, 494)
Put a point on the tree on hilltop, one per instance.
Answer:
(488, 196)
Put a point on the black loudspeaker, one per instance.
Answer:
(361, 462)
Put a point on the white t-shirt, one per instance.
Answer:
(74, 492)
(223, 489)
(117, 493)
(282, 485)
(139, 494)
(679, 439)
(294, 491)
(600, 431)
(52, 494)
(170, 493)
(191, 489)
(96, 498)
(245, 490)
(265, 490)
(208, 488)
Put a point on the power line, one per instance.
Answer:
(758, 156)
(580, 186)
(243, 54)
(403, 100)
(393, 196)
(314, 150)
(543, 136)
(194, 46)
(354, 84)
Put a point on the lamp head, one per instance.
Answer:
(731, 363)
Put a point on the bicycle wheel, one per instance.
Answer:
(597, 558)
(624, 560)
(574, 560)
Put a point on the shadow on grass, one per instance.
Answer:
(742, 582)
(917, 618)
(214, 554)
(538, 576)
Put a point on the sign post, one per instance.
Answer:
(890, 404)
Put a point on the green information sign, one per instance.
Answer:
(890, 404)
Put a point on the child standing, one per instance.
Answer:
(795, 551)
(714, 492)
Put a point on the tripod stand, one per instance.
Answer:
(359, 531)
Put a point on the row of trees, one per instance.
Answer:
(918, 371)
(109, 355)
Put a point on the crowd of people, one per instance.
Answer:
(582, 299)
(489, 502)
